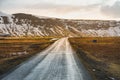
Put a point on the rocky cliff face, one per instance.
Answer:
(28, 25)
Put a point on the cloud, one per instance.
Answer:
(61, 8)
(45, 3)
(93, 9)
(112, 11)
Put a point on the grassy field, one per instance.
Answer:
(15, 51)
(100, 55)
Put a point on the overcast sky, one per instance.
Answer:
(71, 9)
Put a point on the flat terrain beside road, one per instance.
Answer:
(100, 55)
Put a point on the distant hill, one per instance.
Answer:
(21, 24)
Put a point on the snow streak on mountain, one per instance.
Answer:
(21, 24)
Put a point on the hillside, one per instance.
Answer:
(21, 24)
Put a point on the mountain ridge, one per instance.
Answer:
(21, 24)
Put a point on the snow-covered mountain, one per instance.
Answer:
(21, 24)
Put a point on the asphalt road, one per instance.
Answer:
(57, 62)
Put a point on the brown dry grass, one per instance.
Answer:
(103, 55)
(10, 46)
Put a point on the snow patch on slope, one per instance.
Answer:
(111, 31)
